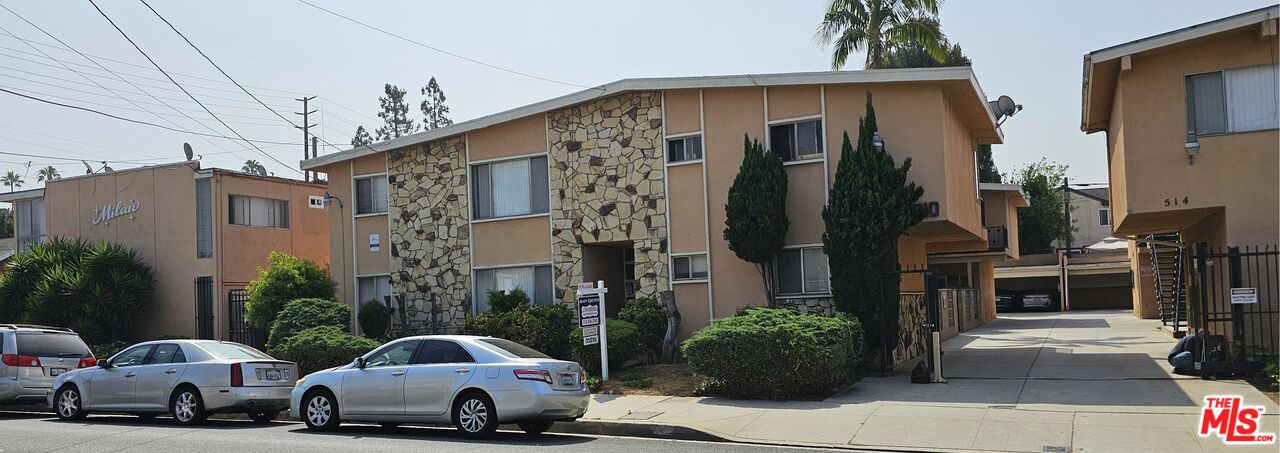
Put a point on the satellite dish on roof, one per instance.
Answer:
(186, 148)
(1003, 108)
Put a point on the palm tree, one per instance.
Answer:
(254, 167)
(12, 180)
(879, 25)
(47, 174)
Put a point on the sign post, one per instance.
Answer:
(591, 311)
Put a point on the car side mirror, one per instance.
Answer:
(360, 363)
(104, 364)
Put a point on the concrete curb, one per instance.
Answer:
(631, 429)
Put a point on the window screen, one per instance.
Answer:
(684, 149)
(371, 195)
(204, 219)
(510, 188)
(258, 212)
(796, 141)
(689, 267)
(1206, 104)
(803, 271)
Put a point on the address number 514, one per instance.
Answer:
(1175, 201)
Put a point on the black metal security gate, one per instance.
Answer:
(240, 330)
(1236, 307)
(204, 308)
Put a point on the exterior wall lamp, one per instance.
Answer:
(1192, 147)
(877, 141)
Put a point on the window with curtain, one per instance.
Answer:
(30, 227)
(802, 271)
(534, 280)
(509, 188)
(258, 212)
(376, 287)
(371, 195)
(1234, 100)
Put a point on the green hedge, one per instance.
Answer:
(301, 314)
(774, 353)
(650, 318)
(624, 341)
(375, 318)
(318, 348)
(542, 327)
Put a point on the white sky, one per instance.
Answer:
(1030, 50)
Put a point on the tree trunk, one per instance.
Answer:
(669, 344)
(770, 301)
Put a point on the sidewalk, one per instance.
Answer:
(1085, 382)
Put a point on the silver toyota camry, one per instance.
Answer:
(473, 383)
(188, 379)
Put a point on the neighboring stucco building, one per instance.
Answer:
(1190, 118)
(203, 231)
(627, 183)
(966, 270)
(1090, 214)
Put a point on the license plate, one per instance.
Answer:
(57, 371)
(569, 380)
(274, 375)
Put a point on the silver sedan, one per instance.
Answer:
(473, 383)
(188, 379)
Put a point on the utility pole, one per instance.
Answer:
(306, 133)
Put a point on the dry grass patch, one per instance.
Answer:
(654, 380)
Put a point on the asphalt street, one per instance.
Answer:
(28, 432)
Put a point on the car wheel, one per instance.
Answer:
(69, 404)
(187, 407)
(535, 426)
(475, 416)
(320, 411)
(263, 416)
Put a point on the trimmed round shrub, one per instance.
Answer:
(775, 353)
(375, 318)
(624, 341)
(302, 314)
(322, 347)
(649, 317)
(287, 278)
(543, 327)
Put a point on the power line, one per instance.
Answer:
(143, 110)
(136, 121)
(104, 148)
(437, 49)
(184, 90)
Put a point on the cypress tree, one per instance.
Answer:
(756, 213)
(871, 204)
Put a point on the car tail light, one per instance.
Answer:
(237, 376)
(21, 360)
(88, 362)
(533, 375)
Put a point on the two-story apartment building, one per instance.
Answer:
(204, 232)
(1090, 214)
(1190, 118)
(966, 269)
(627, 183)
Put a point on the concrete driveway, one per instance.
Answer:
(1094, 381)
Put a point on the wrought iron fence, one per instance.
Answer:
(1236, 307)
(240, 330)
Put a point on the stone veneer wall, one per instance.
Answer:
(911, 334)
(607, 172)
(430, 254)
(807, 305)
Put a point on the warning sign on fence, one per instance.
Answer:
(1244, 295)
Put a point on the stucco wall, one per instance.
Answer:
(513, 241)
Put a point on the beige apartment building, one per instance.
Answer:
(205, 232)
(1190, 118)
(627, 183)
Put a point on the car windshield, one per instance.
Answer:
(52, 345)
(233, 351)
(514, 350)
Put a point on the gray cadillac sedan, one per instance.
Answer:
(473, 383)
(188, 379)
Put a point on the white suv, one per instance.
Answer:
(32, 356)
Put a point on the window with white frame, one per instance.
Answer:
(533, 280)
(803, 271)
(684, 149)
(371, 195)
(1104, 216)
(800, 140)
(1232, 100)
(258, 212)
(374, 287)
(509, 188)
(689, 267)
(30, 228)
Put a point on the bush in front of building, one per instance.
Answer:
(542, 327)
(302, 314)
(650, 318)
(287, 278)
(375, 318)
(503, 301)
(625, 342)
(775, 353)
(101, 290)
(323, 347)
